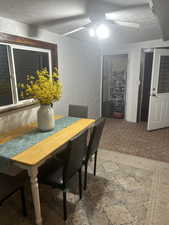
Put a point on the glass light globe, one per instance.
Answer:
(92, 32)
(102, 32)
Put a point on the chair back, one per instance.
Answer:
(95, 137)
(80, 111)
(75, 155)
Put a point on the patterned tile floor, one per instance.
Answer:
(132, 138)
(127, 190)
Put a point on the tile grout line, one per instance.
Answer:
(157, 195)
(152, 199)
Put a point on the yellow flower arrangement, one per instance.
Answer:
(43, 87)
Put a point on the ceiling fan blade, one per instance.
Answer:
(74, 31)
(123, 23)
(62, 21)
(127, 24)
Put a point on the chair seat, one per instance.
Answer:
(54, 179)
(51, 173)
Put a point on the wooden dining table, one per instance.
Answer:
(28, 148)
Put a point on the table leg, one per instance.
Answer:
(33, 172)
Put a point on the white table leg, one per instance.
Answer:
(33, 172)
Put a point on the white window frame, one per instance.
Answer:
(16, 102)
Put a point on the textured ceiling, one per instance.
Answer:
(44, 13)
(127, 2)
(142, 15)
(30, 11)
(161, 8)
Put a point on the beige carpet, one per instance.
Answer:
(132, 138)
(127, 190)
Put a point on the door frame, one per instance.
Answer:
(101, 82)
(141, 80)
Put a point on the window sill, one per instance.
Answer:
(19, 107)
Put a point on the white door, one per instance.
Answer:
(159, 95)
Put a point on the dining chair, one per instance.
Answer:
(57, 173)
(92, 147)
(9, 185)
(80, 111)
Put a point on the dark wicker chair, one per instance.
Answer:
(92, 147)
(57, 173)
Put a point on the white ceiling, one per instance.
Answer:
(29, 11)
(127, 2)
(45, 12)
(161, 8)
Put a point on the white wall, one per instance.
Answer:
(133, 75)
(81, 67)
(134, 61)
(80, 70)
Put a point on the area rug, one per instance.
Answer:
(127, 190)
(132, 138)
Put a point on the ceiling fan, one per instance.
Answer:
(102, 21)
(97, 13)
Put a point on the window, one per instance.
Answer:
(20, 56)
(5, 83)
(163, 86)
(28, 62)
(16, 62)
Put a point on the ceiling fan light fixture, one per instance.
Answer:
(102, 32)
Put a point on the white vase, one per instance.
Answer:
(46, 121)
